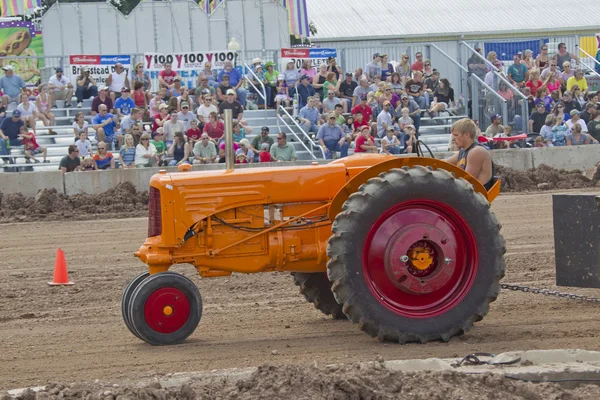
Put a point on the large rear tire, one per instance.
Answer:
(316, 289)
(416, 255)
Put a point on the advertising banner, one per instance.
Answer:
(188, 65)
(19, 38)
(316, 56)
(100, 66)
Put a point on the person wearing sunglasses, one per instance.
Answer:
(145, 152)
(578, 79)
(71, 162)
(103, 158)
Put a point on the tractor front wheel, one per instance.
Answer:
(316, 289)
(416, 255)
(165, 308)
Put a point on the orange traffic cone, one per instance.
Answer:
(61, 276)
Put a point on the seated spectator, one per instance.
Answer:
(10, 130)
(80, 125)
(239, 132)
(594, 125)
(235, 80)
(539, 142)
(556, 71)
(206, 108)
(542, 60)
(390, 144)
(281, 92)
(105, 123)
(140, 76)
(244, 155)
(207, 77)
(205, 151)
(552, 83)
(414, 111)
(156, 102)
(171, 127)
(418, 64)
(224, 86)
(133, 119)
(384, 119)
(304, 91)
(71, 162)
(11, 86)
(577, 138)
(443, 98)
(31, 148)
(308, 70)
(576, 120)
(414, 88)
(431, 83)
(259, 140)
(103, 159)
(390, 96)
(136, 132)
(332, 138)
(235, 106)
(409, 140)
(127, 152)
(517, 71)
(559, 132)
(257, 78)
(264, 155)
(339, 117)
(117, 81)
(320, 79)
(347, 87)
(194, 133)
(560, 113)
(577, 96)
(403, 69)
(587, 112)
(578, 79)
(396, 84)
(376, 85)
(359, 122)
(534, 83)
(546, 130)
(205, 87)
(42, 104)
(214, 128)
(567, 72)
(124, 104)
(270, 76)
(507, 94)
(186, 116)
(145, 153)
(60, 88)
(166, 78)
(282, 150)
(102, 99)
(88, 164)
(330, 102)
(364, 108)
(361, 90)
(528, 59)
(537, 118)
(405, 119)
(159, 145)
(222, 152)
(373, 68)
(84, 145)
(179, 150)
(28, 111)
(174, 92)
(185, 98)
(428, 70)
(495, 128)
(86, 87)
(309, 117)
(365, 142)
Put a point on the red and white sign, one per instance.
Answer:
(294, 53)
(84, 59)
(99, 65)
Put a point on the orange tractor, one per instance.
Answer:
(407, 248)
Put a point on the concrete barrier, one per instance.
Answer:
(29, 183)
(567, 157)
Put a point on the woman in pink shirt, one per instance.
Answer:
(308, 70)
(553, 84)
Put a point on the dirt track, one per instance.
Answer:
(76, 333)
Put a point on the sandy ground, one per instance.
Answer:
(76, 333)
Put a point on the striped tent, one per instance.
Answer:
(10, 8)
(298, 17)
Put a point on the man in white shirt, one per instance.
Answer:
(206, 108)
(384, 119)
(576, 119)
(171, 127)
(60, 88)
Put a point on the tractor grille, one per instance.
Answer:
(154, 213)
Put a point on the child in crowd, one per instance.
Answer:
(84, 145)
(390, 144)
(539, 142)
(359, 122)
(405, 119)
(281, 90)
(124, 104)
(161, 148)
(128, 152)
(193, 133)
(156, 101)
(265, 154)
(88, 164)
(365, 142)
(31, 147)
(559, 132)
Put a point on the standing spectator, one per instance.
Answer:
(332, 138)
(102, 99)
(9, 132)
(205, 109)
(305, 91)
(291, 74)
(271, 75)
(42, 103)
(11, 86)
(28, 111)
(139, 75)
(260, 140)
(579, 80)
(145, 152)
(282, 150)
(104, 124)
(84, 145)
(365, 142)
(60, 88)
(194, 133)
(443, 98)
(80, 125)
(214, 128)
(205, 151)
(172, 127)
(166, 78)
(104, 159)
(517, 71)
(71, 162)
(309, 117)
(127, 153)
(235, 80)
(418, 65)
(384, 119)
(124, 104)
(563, 56)
(186, 116)
(542, 61)
(308, 70)
(414, 111)
(414, 88)
(208, 77)
(179, 150)
(403, 69)
(476, 64)
(117, 81)
(86, 86)
(373, 68)
(31, 146)
(390, 143)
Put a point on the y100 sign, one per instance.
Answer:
(188, 61)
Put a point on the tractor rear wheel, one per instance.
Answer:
(129, 289)
(165, 308)
(316, 289)
(416, 255)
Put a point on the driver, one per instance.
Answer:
(472, 157)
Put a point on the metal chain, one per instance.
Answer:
(547, 292)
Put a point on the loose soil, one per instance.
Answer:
(544, 178)
(372, 381)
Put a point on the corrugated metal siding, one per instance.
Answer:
(352, 19)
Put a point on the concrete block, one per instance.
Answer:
(520, 160)
(567, 157)
(29, 183)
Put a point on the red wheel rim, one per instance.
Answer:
(167, 310)
(442, 237)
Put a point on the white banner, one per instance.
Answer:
(317, 56)
(100, 66)
(188, 65)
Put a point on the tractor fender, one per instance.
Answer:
(398, 162)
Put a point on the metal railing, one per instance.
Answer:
(262, 94)
(304, 134)
(593, 59)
